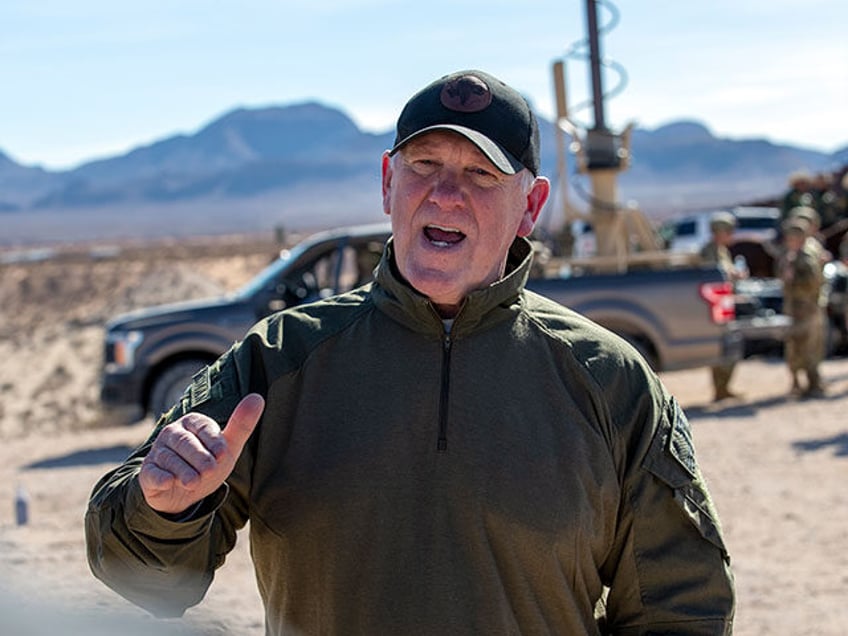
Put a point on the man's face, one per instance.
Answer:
(454, 215)
(794, 241)
(723, 236)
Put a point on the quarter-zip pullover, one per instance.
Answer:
(511, 477)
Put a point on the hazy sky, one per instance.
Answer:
(83, 79)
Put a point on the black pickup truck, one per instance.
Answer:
(677, 318)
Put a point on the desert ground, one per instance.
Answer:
(777, 466)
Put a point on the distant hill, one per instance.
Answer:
(305, 163)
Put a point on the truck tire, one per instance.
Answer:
(170, 384)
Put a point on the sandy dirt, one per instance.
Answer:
(777, 466)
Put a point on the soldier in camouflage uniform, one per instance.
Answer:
(825, 199)
(716, 252)
(813, 241)
(800, 269)
(814, 244)
(798, 194)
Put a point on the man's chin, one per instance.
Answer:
(439, 286)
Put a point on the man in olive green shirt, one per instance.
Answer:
(439, 452)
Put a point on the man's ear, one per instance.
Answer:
(536, 198)
(386, 182)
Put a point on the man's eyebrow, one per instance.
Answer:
(420, 144)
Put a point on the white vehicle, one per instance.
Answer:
(585, 244)
(689, 233)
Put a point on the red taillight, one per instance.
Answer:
(721, 300)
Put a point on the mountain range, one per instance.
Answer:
(307, 165)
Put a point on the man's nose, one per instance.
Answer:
(447, 191)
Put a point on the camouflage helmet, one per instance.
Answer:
(799, 178)
(722, 220)
(806, 213)
(796, 225)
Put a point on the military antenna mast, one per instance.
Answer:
(602, 154)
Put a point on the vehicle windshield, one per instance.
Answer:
(268, 276)
(755, 222)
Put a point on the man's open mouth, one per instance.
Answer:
(443, 236)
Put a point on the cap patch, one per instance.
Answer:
(490, 114)
(466, 94)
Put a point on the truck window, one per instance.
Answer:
(755, 223)
(685, 228)
(323, 272)
(349, 272)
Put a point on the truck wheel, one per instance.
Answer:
(170, 385)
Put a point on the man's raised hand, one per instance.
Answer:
(192, 457)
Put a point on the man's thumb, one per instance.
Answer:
(242, 422)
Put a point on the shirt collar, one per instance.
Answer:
(498, 301)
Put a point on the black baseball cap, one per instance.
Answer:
(492, 115)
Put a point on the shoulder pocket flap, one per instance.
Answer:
(671, 456)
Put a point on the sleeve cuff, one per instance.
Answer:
(140, 517)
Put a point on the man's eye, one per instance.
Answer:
(482, 174)
(424, 165)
